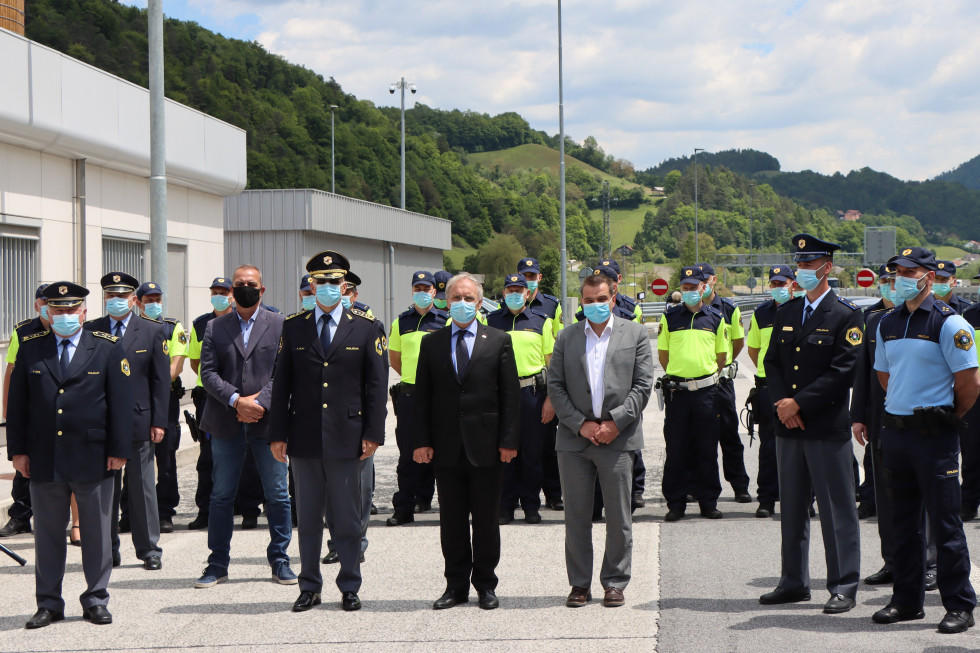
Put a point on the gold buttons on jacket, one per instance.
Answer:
(61, 391)
(794, 386)
(796, 367)
(797, 349)
(325, 385)
(60, 411)
(324, 405)
(59, 432)
(325, 363)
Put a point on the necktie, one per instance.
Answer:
(325, 332)
(64, 357)
(807, 312)
(462, 355)
(119, 332)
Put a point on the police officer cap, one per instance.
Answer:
(692, 274)
(352, 278)
(304, 282)
(328, 265)
(913, 257)
(40, 289)
(64, 294)
(611, 264)
(119, 282)
(945, 268)
(608, 272)
(442, 278)
(808, 248)
(515, 280)
(423, 277)
(148, 288)
(221, 282)
(706, 269)
(529, 265)
(885, 272)
(781, 273)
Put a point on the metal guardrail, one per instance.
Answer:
(656, 309)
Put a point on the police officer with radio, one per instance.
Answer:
(924, 339)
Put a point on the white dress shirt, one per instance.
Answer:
(595, 356)
(813, 305)
(469, 340)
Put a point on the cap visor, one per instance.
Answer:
(809, 256)
(907, 263)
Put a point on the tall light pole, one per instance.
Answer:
(333, 166)
(697, 240)
(751, 195)
(402, 84)
(561, 172)
(158, 150)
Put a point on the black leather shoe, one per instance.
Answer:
(166, 525)
(555, 504)
(44, 617)
(506, 517)
(116, 559)
(124, 526)
(966, 514)
(400, 518)
(374, 509)
(532, 516)
(331, 558)
(865, 510)
(765, 510)
(674, 514)
(449, 599)
(930, 582)
(891, 614)
(15, 527)
(779, 596)
(711, 513)
(306, 601)
(956, 621)
(350, 602)
(152, 563)
(488, 600)
(639, 501)
(883, 576)
(837, 604)
(199, 522)
(423, 506)
(742, 496)
(249, 522)
(97, 614)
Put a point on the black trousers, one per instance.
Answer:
(416, 482)
(523, 476)
(732, 450)
(970, 445)
(768, 478)
(922, 472)
(691, 433)
(466, 491)
(20, 492)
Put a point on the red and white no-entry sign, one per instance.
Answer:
(865, 278)
(659, 287)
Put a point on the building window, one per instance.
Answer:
(122, 256)
(18, 281)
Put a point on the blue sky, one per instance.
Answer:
(828, 86)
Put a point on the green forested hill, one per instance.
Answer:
(967, 174)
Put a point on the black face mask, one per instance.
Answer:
(246, 296)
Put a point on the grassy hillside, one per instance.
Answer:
(626, 223)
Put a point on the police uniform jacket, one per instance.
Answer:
(815, 364)
(21, 329)
(69, 425)
(868, 397)
(144, 345)
(325, 403)
(958, 304)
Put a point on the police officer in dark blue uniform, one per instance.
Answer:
(926, 360)
(944, 287)
(329, 402)
(970, 440)
(69, 429)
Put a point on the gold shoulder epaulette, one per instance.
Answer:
(298, 314)
(22, 323)
(39, 334)
(150, 319)
(106, 336)
(359, 313)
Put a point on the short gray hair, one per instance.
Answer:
(465, 276)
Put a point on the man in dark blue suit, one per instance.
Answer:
(329, 402)
(144, 343)
(69, 429)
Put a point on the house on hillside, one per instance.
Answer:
(852, 215)
(972, 246)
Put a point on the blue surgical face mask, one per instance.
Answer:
(707, 292)
(514, 300)
(346, 301)
(886, 292)
(942, 289)
(44, 313)
(799, 293)
(117, 306)
(440, 303)
(781, 295)
(808, 279)
(597, 313)
(691, 297)
(328, 294)
(422, 299)
(532, 285)
(463, 312)
(154, 310)
(220, 302)
(907, 288)
(309, 302)
(65, 324)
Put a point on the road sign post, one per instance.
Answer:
(659, 287)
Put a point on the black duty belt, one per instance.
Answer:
(761, 382)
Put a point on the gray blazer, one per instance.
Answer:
(228, 367)
(627, 382)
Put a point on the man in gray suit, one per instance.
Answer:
(599, 381)
(238, 357)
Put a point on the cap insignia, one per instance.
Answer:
(116, 278)
(776, 270)
(421, 275)
(327, 260)
(62, 290)
(942, 265)
(529, 263)
(906, 252)
(801, 243)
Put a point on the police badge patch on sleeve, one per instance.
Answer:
(166, 348)
(855, 336)
(380, 345)
(963, 340)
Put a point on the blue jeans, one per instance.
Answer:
(229, 456)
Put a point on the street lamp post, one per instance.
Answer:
(402, 84)
(751, 196)
(333, 166)
(697, 239)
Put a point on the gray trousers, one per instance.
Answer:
(826, 467)
(342, 488)
(578, 471)
(51, 503)
(144, 515)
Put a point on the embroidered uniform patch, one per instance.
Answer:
(855, 336)
(125, 367)
(963, 340)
